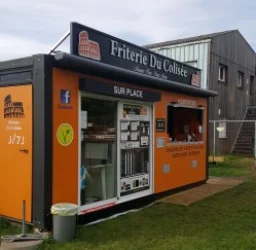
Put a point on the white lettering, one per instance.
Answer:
(13, 125)
(145, 60)
(156, 74)
(120, 50)
(16, 139)
(187, 102)
(115, 89)
(114, 47)
(165, 65)
(137, 69)
(132, 56)
(182, 71)
(128, 92)
(148, 72)
(152, 61)
(14, 122)
(158, 65)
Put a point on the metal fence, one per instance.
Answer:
(235, 137)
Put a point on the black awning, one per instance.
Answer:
(90, 67)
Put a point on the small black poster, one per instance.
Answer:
(160, 125)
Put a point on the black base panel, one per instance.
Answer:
(135, 204)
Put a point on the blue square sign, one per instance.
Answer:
(65, 96)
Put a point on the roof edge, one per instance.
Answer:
(87, 66)
(188, 39)
(17, 63)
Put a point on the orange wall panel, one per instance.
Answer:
(65, 158)
(181, 171)
(16, 151)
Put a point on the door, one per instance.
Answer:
(135, 150)
(16, 151)
(98, 154)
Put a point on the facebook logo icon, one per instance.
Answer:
(65, 96)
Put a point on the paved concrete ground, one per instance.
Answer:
(213, 186)
(24, 245)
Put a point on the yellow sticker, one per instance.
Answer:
(65, 134)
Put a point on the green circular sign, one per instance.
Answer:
(65, 134)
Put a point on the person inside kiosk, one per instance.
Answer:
(184, 124)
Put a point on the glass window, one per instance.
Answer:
(222, 129)
(240, 79)
(251, 84)
(223, 73)
(184, 124)
(98, 150)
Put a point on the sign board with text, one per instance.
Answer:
(95, 45)
(120, 91)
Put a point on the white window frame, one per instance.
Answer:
(240, 79)
(222, 79)
(97, 206)
(136, 195)
(188, 107)
(223, 130)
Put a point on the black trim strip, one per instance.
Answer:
(87, 66)
(22, 76)
(15, 83)
(207, 146)
(17, 63)
(42, 142)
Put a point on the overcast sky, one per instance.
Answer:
(29, 27)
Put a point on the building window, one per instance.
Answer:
(251, 84)
(222, 129)
(184, 124)
(240, 79)
(223, 73)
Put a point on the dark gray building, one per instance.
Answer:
(228, 66)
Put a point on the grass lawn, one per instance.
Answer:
(224, 221)
(232, 166)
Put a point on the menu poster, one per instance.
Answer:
(144, 140)
(135, 126)
(144, 128)
(134, 136)
(124, 136)
(135, 112)
(129, 144)
(125, 125)
(144, 133)
(160, 125)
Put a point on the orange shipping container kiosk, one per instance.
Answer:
(107, 124)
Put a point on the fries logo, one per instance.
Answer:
(88, 48)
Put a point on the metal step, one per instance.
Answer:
(245, 140)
